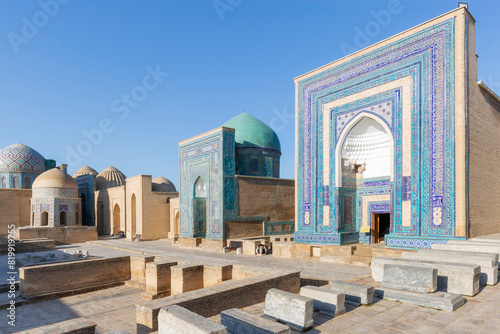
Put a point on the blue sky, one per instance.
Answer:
(189, 65)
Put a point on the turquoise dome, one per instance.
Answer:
(252, 132)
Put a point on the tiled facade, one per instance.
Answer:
(214, 159)
(407, 85)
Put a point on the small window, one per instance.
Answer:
(4, 182)
(45, 218)
(27, 182)
(15, 182)
(200, 189)
(63, 216)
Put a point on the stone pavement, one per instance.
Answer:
(309, 269)
(481, 314)
(114, 309)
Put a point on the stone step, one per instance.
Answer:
(360, 262)
(438, 300)
(363, 252)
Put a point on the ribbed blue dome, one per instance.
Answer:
(252, 132)
(21, 158)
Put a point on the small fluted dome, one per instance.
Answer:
(109, 178)
(21, 158)
(252, 132)
(162, 184)
(85, 170)
(54, 178)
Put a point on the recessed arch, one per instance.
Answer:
(133, 201)
(116, 219)
(83, 199)
(63, 218)
(200, 207)
(345, 133)
(44, 219)
(200, 188)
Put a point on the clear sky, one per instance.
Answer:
(137, 77)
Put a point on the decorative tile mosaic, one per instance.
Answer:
(427, 58)
(21, 158)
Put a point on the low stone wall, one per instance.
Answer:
(211, 301)
(37, 245)
(212, 245)
(61, 234)
(189, 242)
(138, 270)
(240, 272)
(72, 326)
(324, 253)
(62, 277)
(216, 274)
(186, 277)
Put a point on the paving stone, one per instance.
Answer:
(294, 310)
(410, 278)
(360, 293)
(438, 300)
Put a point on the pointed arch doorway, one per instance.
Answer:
(365, 160)
(200, 208)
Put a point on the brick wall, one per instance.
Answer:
(72, 326)
(26, 246)
(158, 281)
(211, 301)
(138, 270)
(15, 209)
(484, 154)
(62, 235)
(186, 278)
(216, 274)
(268, 197)
(244, 229)
(61, 277)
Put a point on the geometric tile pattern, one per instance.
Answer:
(210, 158)
(427, 59)
(21, 158)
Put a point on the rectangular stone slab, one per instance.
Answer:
(469, 247)
(294, 310)
(410, 278)
(452, 277)
(176, 320)
(438, 300)
(328, 301)
(454, 253)
(486, 261)
(490, 240)
(239, 321)
(360, 293)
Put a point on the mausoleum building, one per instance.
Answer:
(230, 186)
(399, 142)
